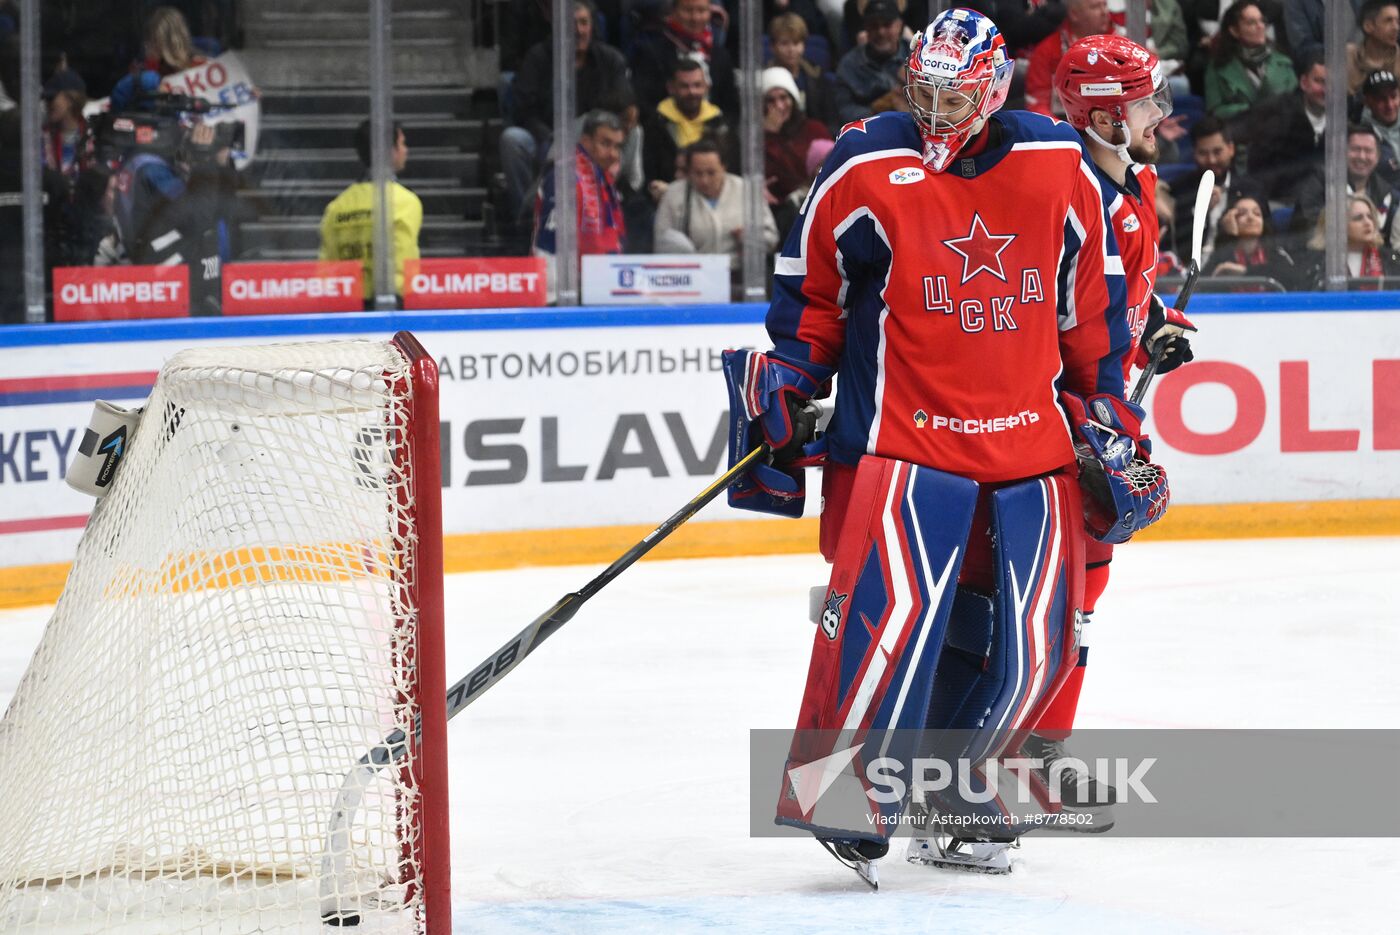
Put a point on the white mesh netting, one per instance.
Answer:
(235, 634)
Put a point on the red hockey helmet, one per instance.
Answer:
(1109, 73)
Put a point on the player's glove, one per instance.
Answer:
(770, 401)
(1123, 490)
(1170, 325)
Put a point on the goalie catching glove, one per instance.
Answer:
(1168, 324)
(770, 401)
(1123, 490)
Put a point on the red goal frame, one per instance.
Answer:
(431, 843)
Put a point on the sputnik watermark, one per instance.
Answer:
(887, 788)
(889, 780)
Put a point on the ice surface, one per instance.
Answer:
(603, 785)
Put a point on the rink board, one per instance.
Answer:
(568, 432)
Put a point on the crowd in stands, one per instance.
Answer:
(1249, 79)
(657, 163)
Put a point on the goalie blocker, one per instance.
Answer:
(904, 646)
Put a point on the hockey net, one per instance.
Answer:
(253, 607)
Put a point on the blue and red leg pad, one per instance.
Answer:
(888, 603)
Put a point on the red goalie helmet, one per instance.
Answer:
(1109, 73)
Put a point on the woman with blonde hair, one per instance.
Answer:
(1368, 256)
(169, 48)
(168, 40)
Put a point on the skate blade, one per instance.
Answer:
(929, 856)
(864, 869)
(868, 873)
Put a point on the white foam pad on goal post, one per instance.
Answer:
(241, 625)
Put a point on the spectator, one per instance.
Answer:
(1246, 247)
(1381, 94)
(814, 21)
(1166, 25)
(1082, 18)
(600, 83)
(1304, 22)
(855, 31)
(169, 49)
(78, 220)
(1363, 155)
(1213, 148)
(1244, 65)
(785, 213)
(704, 212)
(1285, 132)
(600, 222)
(870, 77)
(681, 119)
(1368, 256)
(1377, 51)
(68, 145)
(686, 33)
(787, 35)
(788, 134)
(347, 227)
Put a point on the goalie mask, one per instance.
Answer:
(1122, 79)
(959, 75)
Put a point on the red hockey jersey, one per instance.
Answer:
(1132, 209)
(954, 304)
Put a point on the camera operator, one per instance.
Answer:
(177, 207)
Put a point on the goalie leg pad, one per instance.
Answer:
(882, 627)
(983, 703)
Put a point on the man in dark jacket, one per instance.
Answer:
(870, 77)
(1285, 136)
(601, 83)
(683, 118)
(686, 33)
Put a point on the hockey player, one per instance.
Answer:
(954, 266)
(1115, 95)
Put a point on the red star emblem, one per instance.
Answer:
(855, 125)
(980, 250)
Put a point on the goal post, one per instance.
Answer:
(255, 604)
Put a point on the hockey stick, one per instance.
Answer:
(337, 911)
(1193, 271)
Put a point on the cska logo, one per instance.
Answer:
(980, 250)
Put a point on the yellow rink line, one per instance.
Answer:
(41, 584)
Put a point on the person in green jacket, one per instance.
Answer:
(1244, 65)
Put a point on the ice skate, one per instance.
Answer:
(949, 852)
(859, 855)
(1080, 793)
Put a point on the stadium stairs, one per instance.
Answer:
(310, 59)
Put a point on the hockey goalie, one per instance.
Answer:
(954, 273)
